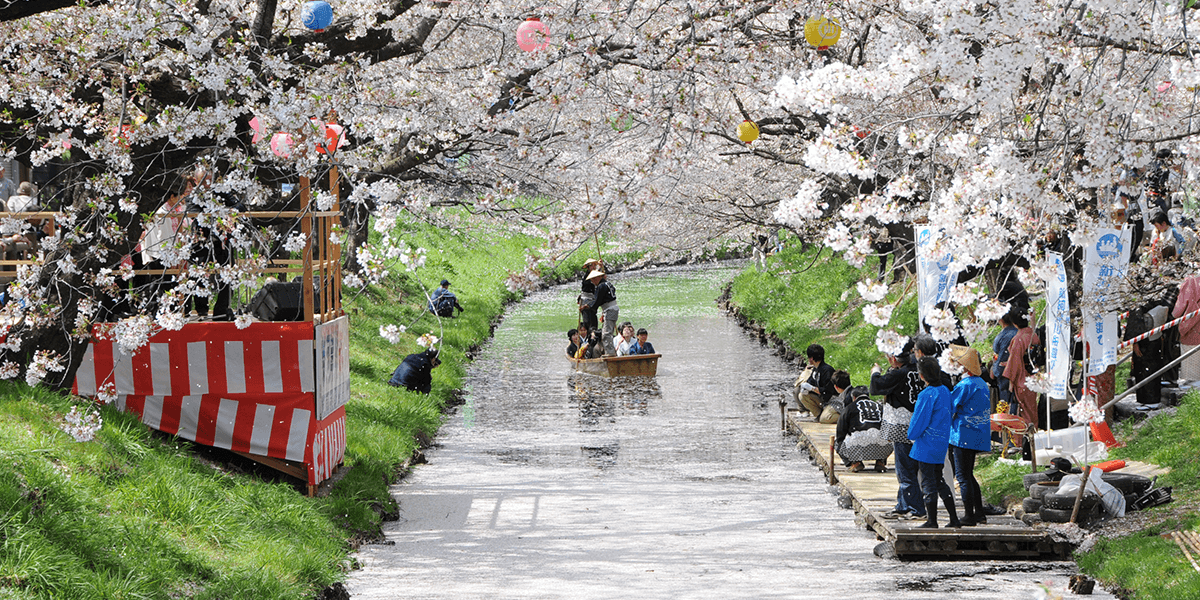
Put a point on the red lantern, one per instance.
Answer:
(281, 144)
(257, 128)
(335, 137)
(532, 35)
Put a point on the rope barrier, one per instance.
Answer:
(1159, 329)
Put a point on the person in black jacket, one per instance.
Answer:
(815, 392)
(606, 300)
(899, 386)
(415, 372)
(858, 438)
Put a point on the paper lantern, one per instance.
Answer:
(257, 128)
(748, 131)
(335, 137)
(532, 35)
(822, 33)
(317, 15)
(281, 144)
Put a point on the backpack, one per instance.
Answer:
(444, 307)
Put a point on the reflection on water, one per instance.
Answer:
(602, 401)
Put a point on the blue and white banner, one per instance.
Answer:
(1105, 260)
(934, 277)
(1058, 329)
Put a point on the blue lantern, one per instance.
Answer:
(317, 15)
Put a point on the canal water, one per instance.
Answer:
(548, 484)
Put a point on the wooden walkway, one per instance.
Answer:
(874, 494)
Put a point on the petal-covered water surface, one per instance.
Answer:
(549, 484)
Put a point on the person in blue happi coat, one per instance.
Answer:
(970, 430)
(929, 431)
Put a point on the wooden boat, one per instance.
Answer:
(640, 365)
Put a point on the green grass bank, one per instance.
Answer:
(805, 298)
(138, 514)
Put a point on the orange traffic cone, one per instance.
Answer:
(1101, 432)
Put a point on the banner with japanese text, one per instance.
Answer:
(934, 277)
(1058, 329)
(1105, 259)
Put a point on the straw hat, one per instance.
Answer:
(595, 274)
(593, 261)
(968, 358)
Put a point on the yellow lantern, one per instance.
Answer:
(748, 131)
(822, 32)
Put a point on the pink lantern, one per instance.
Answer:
(532, 35)
(281, 144)
(258, 132)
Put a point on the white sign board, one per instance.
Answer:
(934, 278)
(1058, 329)
(332, 359)
(1104, 262)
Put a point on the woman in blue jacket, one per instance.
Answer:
(929, 431)
(970, 430)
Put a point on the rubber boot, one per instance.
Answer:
(931, 516)
(948, 500)
(969, 519)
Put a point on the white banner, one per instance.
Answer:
(332, 357)
(934, 277)
(1058, 329)
(1105, 260)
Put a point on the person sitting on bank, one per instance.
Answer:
(573, 347)
(858, 438)
(627, 339)
(443, 302)
(415, 372)
(817, 389)
(641, 346)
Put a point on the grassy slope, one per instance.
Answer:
(806, 301)
(135, 514)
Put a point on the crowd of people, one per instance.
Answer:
(21, 198)
(598, 306)
(920, 416)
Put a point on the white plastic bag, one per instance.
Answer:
(1112, 498)
(1093, 452)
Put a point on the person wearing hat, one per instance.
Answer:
(606, 302)
(970, 430)
(587, 294)
(443, 302)
(415, 372)
(899, 386)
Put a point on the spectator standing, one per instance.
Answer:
(970, 430)
(1026, 400)
(25, 200)
(929, 431)
(1000, 346)
(900, 386)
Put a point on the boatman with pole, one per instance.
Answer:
(606, 301)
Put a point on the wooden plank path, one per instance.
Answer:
(874, 494)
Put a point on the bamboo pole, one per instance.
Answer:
(1176, 536)
(1079, 496)
(306, 230)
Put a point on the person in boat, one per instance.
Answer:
(816, 391)
(587, 295)
(606, 302)
(626, 339)
(858, 438)
(415, 372)
(589, 343)
(641, 346)
(573, 347)
(929, 431)
(443, 302)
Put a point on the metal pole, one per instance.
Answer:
(1148, 379)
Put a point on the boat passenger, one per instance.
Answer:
(641, 346)
(929, 431)
(573, 335)
(626, 339)
(589, 343)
